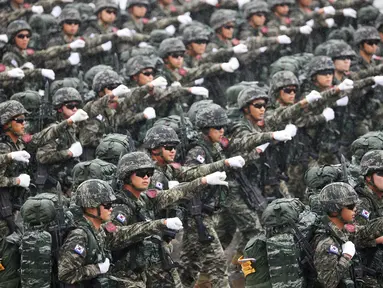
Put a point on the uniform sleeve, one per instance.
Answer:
(38, 58)
(5, 181)
(246, 141)
(186, 174)
(195, 156)
(46, 135)
(370, 71)
(71, 263)
(201, 71)
(48, 154)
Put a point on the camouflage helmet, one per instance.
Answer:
(372, 161)
(335, 196)
(69, 14)
(319, 63)
(233, 91)
(253, 7)
(157, 36)
(250, 94)
(366, 33)
(10, 109)
(221, 17)
(345, 33)
(340, 49)
(65, 95)
(193, 33)
(273, 3)
(197, 106)
(132, 162)
(137, 2)
(16, 26)
(282, 79)
(31, 100)
(104, 79)
(171, 45)
(94, 192)
(112, 147)
(379, 23)
(211, 116)
(138, 63)
(367, 15)
(158, 136)
(103, 4)
(89, 75)
(43, 24)
(63, 83)
(367, 142)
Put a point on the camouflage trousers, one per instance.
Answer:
(208, 259)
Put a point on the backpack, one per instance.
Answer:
(113, 146)
(284, 251)
(294, 63)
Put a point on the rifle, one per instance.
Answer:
(344, 169)
(195, 208)
(183, 133)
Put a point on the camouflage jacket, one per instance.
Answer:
(145, 25)
(160, 11)
(371, 206)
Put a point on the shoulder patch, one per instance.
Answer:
(99, 117)
(288, 20)
(365, 214)
(14, 63)
(159, 185)
(110, 227)
(235, 42)
(145, 20)
(79, 250)
(264, 29)
(121, 218)
(114, 29)
(152, 193)
(350, 228)
(182, 71)
(27, 5)
(2, 67)
(173, 8)
(30, 51)
(200, 159)
(333, 250)
(27, 138)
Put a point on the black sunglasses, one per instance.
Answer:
(144, 172)
(379, 173)
(112, 86)
(111, 11)
(22, 36)
(260, 14)
(71, 106)
(170, 147)
(71, 22)
(147, 73)
(228, 26)
(141, 5)
(259, 105)
(343, 58)
(351, 207)
(219, 127)
(326, 72)
(372, 42)
(107, 206)
(19, 120)
(177, 55)
(201, 41)
(289, 90)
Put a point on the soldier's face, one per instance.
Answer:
(71, 27)
(216, 134)
(145, 76)
(257, 109)
(258, 19)
(140, 181)
(69, 109)
(324, 81)
(18, 125)
(108, 15)
(169, 152)
(378, 181)
(305, 3)
(22, 39)
(370, 47)
(18, 1)
(138, 11)
(198, 47)
(227, 30)
(176, 60)
(287, 94)
(282, 10)
(348, 214)
(342, 65)
(105, 213)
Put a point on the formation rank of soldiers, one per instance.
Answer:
(137, 132)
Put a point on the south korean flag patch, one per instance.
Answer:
(79, 250)
(365, 214)
(121, 218)
(159, 185)
(200, 159)
(333, 250)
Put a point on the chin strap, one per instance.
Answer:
(98, 217)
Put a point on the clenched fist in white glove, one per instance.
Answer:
(74, 58)
(124, 33)
(4, 38)
(263, 49)
(201, 91)
(329, 114)
(342, 101)
(24, 180)
(330, 22)
(262, 148)
(378, 80)
(284, 39)
(291, 129)
(48, 73)
(28, 65)
(149, 113)
(348, 248)
(16, 73)
(79, 116)
(216, 178)
(120, 90)
(21, 156)
(236, 161)
(282, 135)
(143, 44)
(349, 12)
(211, 2)
(310, 23)
(174, 223)
(76, 149)
(173, 183)
(329, 10)
(159, 82)
(37, 9)
(199, 81)
(347, 84)
(234, 63)
(170, 30)
(240, 49)
(305, 29)
(56, 11)
(106, 46)
(227, 67)
(77, 44)
(184, 19)
(313, 96)
(104, 267)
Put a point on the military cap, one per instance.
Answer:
(171, 45)
(211, 116)
(137, 2)
(65, 95)
(174, 121)
(132, 162)
(340, 49)
(335, 196)
(31, 100)
(16, 26)
(94, 192)
(193, 33)
(221, 17)
(319, 63)
(273, 3)
(158, 136)
(157, 36)
(365, 33)
(253, 7)
(371, 162)
(250, 94)
(89, 75)
(367, 15)
(103, 4)
(104, 79)
(10, 109)
(69, 14)
(282, 79)
(138, 63)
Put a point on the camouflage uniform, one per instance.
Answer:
(158, 10)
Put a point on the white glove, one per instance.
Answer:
(234, 64)
(4, 38)
(124, 33)
(120, 90)
(211, 2)
(56, 11)
(74, 58)
(16, 73)
(67, 1)
(329, 10)
(282, 135)
(342, 101)
(159, 82)
(170, 30)
(79, 116)
(242, 2)
(48, 73)
(76, 149)
(263, 147)
(282, 28)
(330, 22)
(173, 184)
(378, 80)
(349, 12)
(291, 129)
(283, 39)
(106, 46)
(201, 91)
(217, 178)
(21, 156)
(227, 67)
(174, 223)
(104, 267)
(28, 65)
(236, 161)
(25, 180)
(306, 29)
(199, 81)
(149, 113)
(310, 23)
(184, 19)
(347, 84)
(123, 4)
(348, 248)
(263, 49)
(313, 96)
(328, 113)
(176, 84)
(76, 44)
(240, 49)
(143, 44)
(37, 9)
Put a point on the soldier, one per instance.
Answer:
(366, 40)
